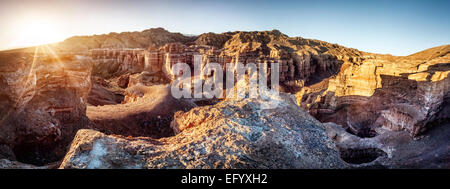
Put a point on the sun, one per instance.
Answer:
(36, 32)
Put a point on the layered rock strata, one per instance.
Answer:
(43, 100)
(395, 93)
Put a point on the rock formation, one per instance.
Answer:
(43, 100)
(231, 134)
(301, 60)
(395, 93)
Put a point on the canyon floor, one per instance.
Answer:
(105, 101)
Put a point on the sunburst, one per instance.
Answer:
(36, 32)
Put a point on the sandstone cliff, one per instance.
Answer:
(302, 60)
(43, 100)
(395, 93)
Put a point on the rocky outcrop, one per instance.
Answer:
(110, 63)
(231, 134)
(147, 111)
(43, 100)
(302, 61)
(395, 93)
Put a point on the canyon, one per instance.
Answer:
(104, 101)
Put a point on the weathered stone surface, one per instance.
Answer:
(43, 99)
(230, 134)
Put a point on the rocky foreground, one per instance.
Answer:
(230, 134)
(340, 107)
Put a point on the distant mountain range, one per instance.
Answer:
(261, 42)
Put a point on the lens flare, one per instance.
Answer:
(37, 32)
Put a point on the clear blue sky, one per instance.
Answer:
(398, 27)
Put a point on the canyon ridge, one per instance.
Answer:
(104, 101)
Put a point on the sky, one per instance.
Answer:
(397, 27)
